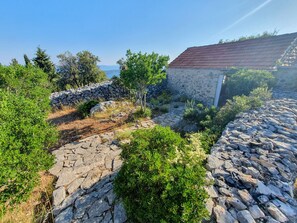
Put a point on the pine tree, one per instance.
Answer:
(14, 62)
(42, 60)
(27, 60)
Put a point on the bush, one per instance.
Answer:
(243, 82)
(84, 108)
(24, 132)
(142, 114)
(162, 178)
(23, 135)
(214, 125)
(30, 82)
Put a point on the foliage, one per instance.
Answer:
(263, 35)
(244, 81)
(140, 70)
(162, 178)
(84, 108)
(161, 103)
(43, 61)
(24, 132)
(199, 113)
(79, 70)
(30, 82)
(122, 135)
(14, 62)
(214, 124)
(27, 60)
(139, 113)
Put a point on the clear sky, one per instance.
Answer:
(108, 28)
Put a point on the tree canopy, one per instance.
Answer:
(79, 70)
(43, 61)
(139, 70)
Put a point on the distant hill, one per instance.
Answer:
(110, 70)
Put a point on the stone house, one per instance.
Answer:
(199, 72)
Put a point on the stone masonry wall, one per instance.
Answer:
(107, 91)
(199, 84)
(254, 166)
(286, 78)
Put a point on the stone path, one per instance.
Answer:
(254, 166)
(173, 117)
(85, 171)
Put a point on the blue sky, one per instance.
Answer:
(108, 27)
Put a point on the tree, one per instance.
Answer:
(42, 60)
(14, 62)
(89, 72)
(79, 70)
(138, 71)
(27, 60)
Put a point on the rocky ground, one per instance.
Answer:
(85, 171)
(253, 166)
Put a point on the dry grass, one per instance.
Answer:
(36, 207)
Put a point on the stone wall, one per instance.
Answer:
(106, 91)
(199, 84)
(254, 166)
(286, 78)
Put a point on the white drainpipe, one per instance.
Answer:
(218, 90)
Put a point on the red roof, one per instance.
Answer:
(260, 53)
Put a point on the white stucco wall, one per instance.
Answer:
(198, 84)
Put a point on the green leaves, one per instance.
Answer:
(79, 70)
(162, 178)
(24, 132)
(139, 70)
(244, 81)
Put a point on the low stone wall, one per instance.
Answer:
(254, 166)
(199, 84)
(106, 91)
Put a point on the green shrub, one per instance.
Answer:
(214, 124)
(30, 82)
(163, 98)
(24, 134)
(142, 114)
(84, 108)
(244, 81)
(162, 178)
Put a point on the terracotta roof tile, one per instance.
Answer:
(261, 53)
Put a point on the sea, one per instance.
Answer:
(111, 70)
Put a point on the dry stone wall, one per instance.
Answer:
(198, 84)
(106, 91)
(254, 166)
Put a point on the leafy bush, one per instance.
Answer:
(30, 82)
(24, 132)
(23, 135)
(162, 178)
(84, 108)
(142, 113)
(162, 99)
(244, 81)
(199, 113)
(215, 125)
(164, 108)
